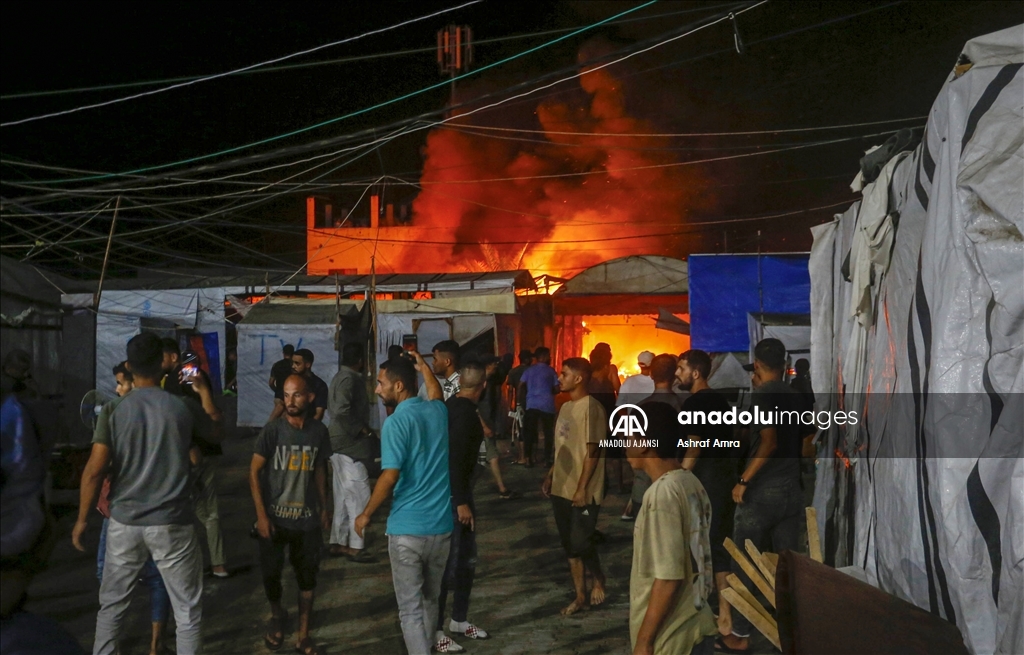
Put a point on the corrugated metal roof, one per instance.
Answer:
(257, 283)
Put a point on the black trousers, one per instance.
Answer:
(460, 570)
(534, 420)
(303, 552)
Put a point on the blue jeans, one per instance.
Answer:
(159, 601)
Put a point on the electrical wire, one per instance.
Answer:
(606, 171)
(179, 85)
(345, 60)
(699, 134)
(682, 230)
(353, 113)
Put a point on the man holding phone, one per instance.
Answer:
(184, 378)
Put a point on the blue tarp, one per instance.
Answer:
(725, 288)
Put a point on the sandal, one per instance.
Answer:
(510, 494)
(307, 647)
(362, 557)
(276, 627)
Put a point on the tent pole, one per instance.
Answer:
(106, 257)
(372, 299)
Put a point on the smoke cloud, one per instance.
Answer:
(514, 200)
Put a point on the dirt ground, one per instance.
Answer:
(522, 581)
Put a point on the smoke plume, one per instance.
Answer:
(547, 202)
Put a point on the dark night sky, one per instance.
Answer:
(807, 64)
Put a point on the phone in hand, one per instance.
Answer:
(188, 373)
(410, 342)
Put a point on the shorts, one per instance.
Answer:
(303, 547)
(576, 526)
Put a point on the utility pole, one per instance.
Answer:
(454, 52)
(106, 257)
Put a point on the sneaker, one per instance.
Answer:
(626, 517)
(445, 644)
(467, 629)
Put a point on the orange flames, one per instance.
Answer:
(547, 203)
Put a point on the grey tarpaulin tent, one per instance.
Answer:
(917, 297)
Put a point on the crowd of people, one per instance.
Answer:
(153, 468)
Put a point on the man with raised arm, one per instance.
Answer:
(414, 463)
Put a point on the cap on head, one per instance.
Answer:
(770, 352)
(645, 358)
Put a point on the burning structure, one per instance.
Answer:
(593, 183)
(628, 303)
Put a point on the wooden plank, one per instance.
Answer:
(751, 570)
(770, 563)
(742, 590)
(773, 558)
(740, 604)
(813, 540)
(756, 558)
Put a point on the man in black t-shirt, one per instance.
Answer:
(770, 504)
(712, 462)
(516, 374)
(288, 481)
(279, 372)
(465, 434)
(302, 364)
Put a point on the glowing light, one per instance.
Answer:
(629, 336)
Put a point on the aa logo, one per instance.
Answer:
(627, 424)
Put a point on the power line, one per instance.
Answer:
(371, 131)
(236, 71)
(342, 60)
(350, 114)
(682, 225)
(655, 166)
(698, 134)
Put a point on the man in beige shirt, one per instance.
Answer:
(668, 609)
(575, 483)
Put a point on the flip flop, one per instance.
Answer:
(277, 625)
(307, 647)
(362, 558)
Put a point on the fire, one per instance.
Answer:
(576, 200)
(629, 336)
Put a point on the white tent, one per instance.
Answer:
(122, 314)
(925, 337)
(462, 307)
(266, 329)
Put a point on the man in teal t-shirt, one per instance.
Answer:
(414, 463)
